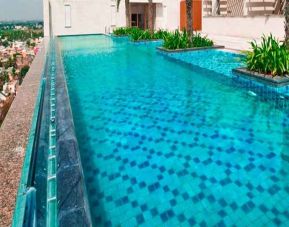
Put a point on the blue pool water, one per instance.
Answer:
(164, 143)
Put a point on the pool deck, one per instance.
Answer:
(233, 43)
(14, 134)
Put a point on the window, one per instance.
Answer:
(137, 20)
(67, 9)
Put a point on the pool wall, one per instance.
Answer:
(72, 205)
(73, 208)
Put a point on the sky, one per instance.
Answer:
(20, 10)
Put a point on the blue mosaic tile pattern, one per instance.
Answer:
(222, 61)
(166, 144)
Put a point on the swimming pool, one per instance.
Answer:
(166, 143)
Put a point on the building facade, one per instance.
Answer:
(240, 18)
(244, 18)
(74, 17)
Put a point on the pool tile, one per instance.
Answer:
(186, 147)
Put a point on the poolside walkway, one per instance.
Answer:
(14, 136)
(232, 42)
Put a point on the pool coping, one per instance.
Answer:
(117, 36)
(146, 40)
(276, 81)
(190, 49)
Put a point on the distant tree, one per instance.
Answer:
(6, 77)
(5, 43)
(23, 73)
(10, 62)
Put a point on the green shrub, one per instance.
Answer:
(122, 31)
(270, 57)
(160, 34)
(139, 34)
(23, 73)
(177, 40)
(199, 41)
(181, 40)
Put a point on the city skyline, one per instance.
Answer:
(20, 10)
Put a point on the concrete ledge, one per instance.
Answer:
(276, 81)
(118, 36)
(190, 49)
(14, 134)
(146, 40)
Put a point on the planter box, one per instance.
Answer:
(146, 40)
(189, 49)
(276, 81)
(118, 36)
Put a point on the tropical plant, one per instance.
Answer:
(286, 12)
(182, 40)
(270, 57)
(189, 7)
(199, 41)
(123, 31)
(177, 40)
(150, 16)
(139, 34)
(160, 34)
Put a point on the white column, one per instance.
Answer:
(113, 9)
(214, 7)
(46, 18)
(245, 8)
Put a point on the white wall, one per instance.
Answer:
(171, 14)
(159, 22)
(100, 16)
(87, 17)
(245, 27)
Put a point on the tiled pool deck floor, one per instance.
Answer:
(166, 145)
